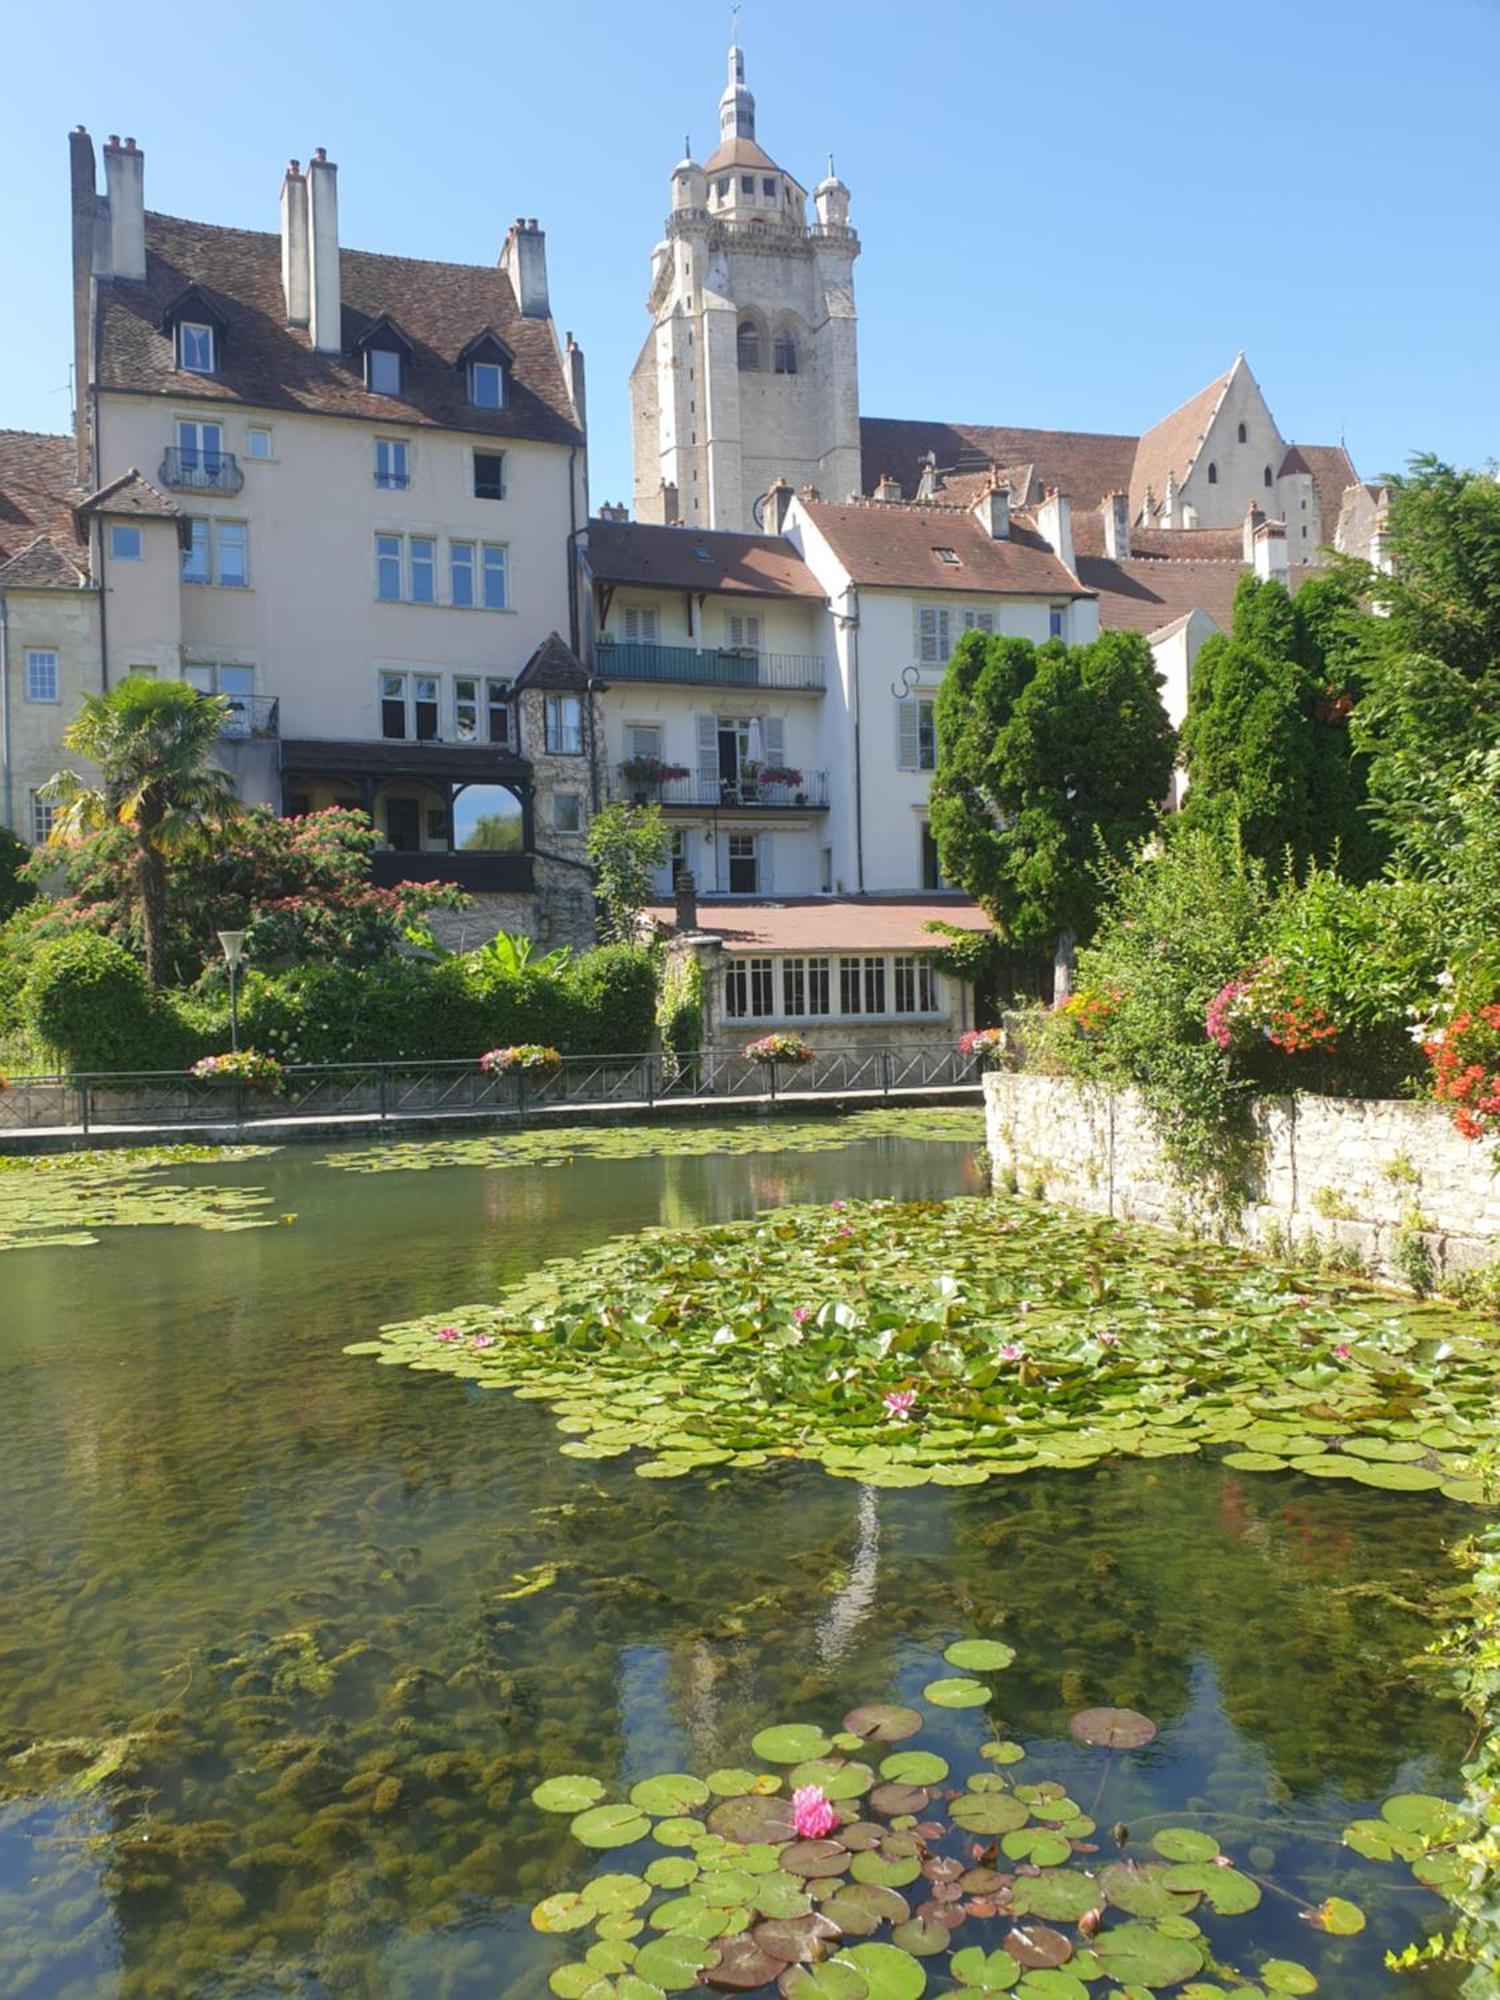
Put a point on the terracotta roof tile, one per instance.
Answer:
(695, 559)
(42, 565)
(131, 493)
(1172, 445)
(1333, 473)
(1160, 544)
(37, 491)
(833, 923)
(440, 308)
(739, 152)
(554, 664)
(1083, 464)
(1144, 595)
(894, 545)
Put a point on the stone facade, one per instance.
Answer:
(1377, 1181)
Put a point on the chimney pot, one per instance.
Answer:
(321, 153)
(125, 193)
(685, 898)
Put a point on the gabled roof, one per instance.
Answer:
(270, 365)
(892, 545)
(1083, 464)
(132, 493)
(42, 565)
(38, 490)
(641, 553)
(554, 664)
(1333, 473)
(1144, 595)
(833, 923)
(1172, 446)
(739, 152)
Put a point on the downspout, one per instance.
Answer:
(5, 790)
(574, 636)
(103, 610)
(859, 788)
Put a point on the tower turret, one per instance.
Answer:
(736, 106)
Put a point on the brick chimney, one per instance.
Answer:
(1254, 522)
(614, 510)
(523, 259)
(1270, 552)
(887, 488)
(685, 898)
(325, 297)
(1054, 523)
(125, 184)
(992, 509)
(778, 504)
(294, 255)
(1114, 512)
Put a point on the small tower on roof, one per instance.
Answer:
(750, 370)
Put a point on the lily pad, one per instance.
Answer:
(1139, 1955)
(673, 1963)
(1225, 1890)
(835, 1778)
(1418, 1812)
(670, 1795)
(610, 1894)
(989, 1812)
(567, 1795)
(860, 1908)
(1112, 1728)
(1037, 1946)
(832, 1980)
(1184, 1843)
(610, 1826)
(914, 1767)
(790, 1743)
(565, 1912)
(989, 1971)
(1284, 1975)
(742, 1967)
(956, 1694)
(1062, 1895)
(979, 1656)
(752, 1818)
(1339, 1917)
(890, 1974)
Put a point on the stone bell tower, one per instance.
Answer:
(749, 373)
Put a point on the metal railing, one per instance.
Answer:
(199, 471)
(709, 666)
(251, 715)
(126, 1100)
(805, 789)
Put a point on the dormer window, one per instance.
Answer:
(195, 347)
(949, 558)
(486, 385)
(385, 353)
(382, 371)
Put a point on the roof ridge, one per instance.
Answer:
(352, 249)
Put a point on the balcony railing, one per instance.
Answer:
(628, 660)
(197, 471)
(250, 716)
(803, 790)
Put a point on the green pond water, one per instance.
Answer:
(314, 1628)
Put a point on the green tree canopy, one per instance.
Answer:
(151, 742)
(1267, 740)
(626, 844)
(1046, 756)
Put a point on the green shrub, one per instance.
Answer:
(15, 892)
(87, 997)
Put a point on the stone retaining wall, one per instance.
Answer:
(1379, 1181)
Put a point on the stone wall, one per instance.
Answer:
(1377, 1181)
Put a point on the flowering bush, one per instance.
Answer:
(1227, 1014)
(1274, 1001)
(242, 1066)
(1465, 1059)
(982, 1042)
(1092, 1008)
(535, 1058)
(779, 1048)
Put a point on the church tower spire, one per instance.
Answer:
(736, 106)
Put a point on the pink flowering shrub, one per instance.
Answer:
(780, 1048)
(242, 1066)
(533, 1057)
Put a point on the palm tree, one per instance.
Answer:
(151, 742)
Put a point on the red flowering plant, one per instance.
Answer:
(982, 1042)
(1092, 1008)
(533, 1057)
(1270, 1001)
(1464, 1053)
(780, 1048)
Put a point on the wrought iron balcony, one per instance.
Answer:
(251, 715)
(788, 791)
(193, 470)
(714, 666)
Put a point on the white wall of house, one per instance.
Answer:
(52, 654)
(835, 1000)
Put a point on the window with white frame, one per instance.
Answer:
(486, 385)
(465, 709)
(643, 742)
(421, 569)
(392, 464)
(497, 703)
(949, 558)
(218, 552)
(43, 813)
(914, 985)
(425, 710)
(410, 707)
(461, 575)
(638, 622)
(567, 812)
(563, 718)
(1055, 617)
(393, 707)
(750, 989)
(932, 867)
(195, 347)
(975, 620)
(489, 475)
(233, 682)
(200, 450)
(744, 864)
(744, 635)
(805, 989)
(257, 442)
(389, 552)
(932, 636)
(41, 675)
(861, 985)
(495, 576)
(126, 542)
(383, 371)
(916, 734)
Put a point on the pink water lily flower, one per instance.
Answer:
(837, 1205)
(483, 1340)
(1012, 1350)
(802, 1314)
(900, 1403)
(1109, 1340)
(1343, 1350)
(812, 1815)
(447, 1333)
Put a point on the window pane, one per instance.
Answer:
(926, 736)
(388, 567)
(393, 706)
(232, 538)
(195, 556)
(494, 577)
(499, 708)
(817, 986)
(383, 371)
(125, 543)
(487, 820)
(196, 347)
(484, 385)
(424, 690)
(762, 996)
(259, 444)
(906, 984)
(390, 463)
(41, 676)
(874, 985)
(736, 989)
(850, 998)
(423, 570)
(466, 711)
(567, 815)
(489, 475)
(794, 986)
(42, 811)
(461, 572)
(204, 679)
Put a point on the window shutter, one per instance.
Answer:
(774, 730)
(765, 875)
(721, 864)
(640, 625)
(744, 634)
(708, 750)
(908, 737)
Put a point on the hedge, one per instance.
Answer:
(87, 997)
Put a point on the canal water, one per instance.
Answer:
(288, 1637)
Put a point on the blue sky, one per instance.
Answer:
(1073, 212)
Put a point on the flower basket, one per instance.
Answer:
(986, 1044)
(247, 1066)
(790, 1049)
(525, 1058)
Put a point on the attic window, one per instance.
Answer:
(486, 385)
(948, 557)
(702, 555)
(382, 371)
(195, 347)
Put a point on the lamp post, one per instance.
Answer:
(234, 950)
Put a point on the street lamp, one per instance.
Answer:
(234, 950)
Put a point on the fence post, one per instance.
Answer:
(380, 1089)
(885, 1072)
(239, 1104)
(520, 1093)
(650, 1082)
(772, 1068)
(83, 1104)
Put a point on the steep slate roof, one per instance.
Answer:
(696, 559)
(1172, 445)
(832, 923)
(891, 544)
(37, 493)
(271, 365)
(132, 493)
(1083, 464)
(554, 664)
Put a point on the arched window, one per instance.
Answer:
(1213, 475)
(748, 342)
(1244, 435)
(786, 353)
(1266, 477)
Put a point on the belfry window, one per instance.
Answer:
(748, 346)
(786, 354)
